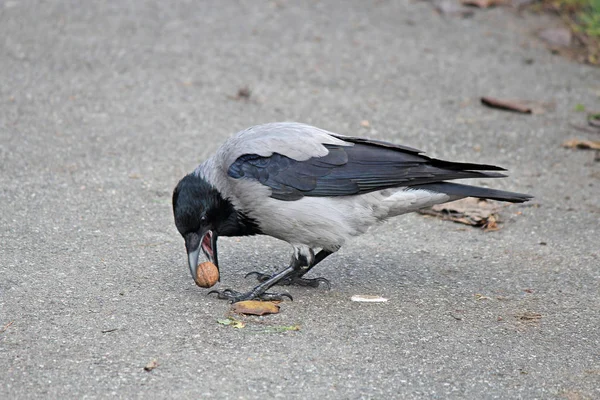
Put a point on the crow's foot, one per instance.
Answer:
(234, 296)
(292, 280)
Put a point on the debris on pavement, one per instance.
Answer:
(529, 316)
(484, 3)
(255, 307)
(452, 8)
(365, 298)
(230, 321)
(280, 328)
(582, 144)
(521, 106)
(243, 93)
(585, 128)
(151, 365)
(469, 211)
(6, 327)
(594, 120)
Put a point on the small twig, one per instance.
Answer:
(109, 330)
(505, 105)
(455, 317)
(6, 326)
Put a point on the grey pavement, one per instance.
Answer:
(105, 105)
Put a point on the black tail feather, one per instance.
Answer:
(457, 189)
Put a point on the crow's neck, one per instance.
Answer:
(235, 223)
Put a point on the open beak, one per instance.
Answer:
(208, 244)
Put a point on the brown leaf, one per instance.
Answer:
(151, 365)
(582, 144)
(468, 211)
(255, 307)
(560, 37)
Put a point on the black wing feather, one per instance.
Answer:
(348, 170)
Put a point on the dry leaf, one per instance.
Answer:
(468, 211)
(151, 365)
(582, 144)
(365, 298)
(255, 307)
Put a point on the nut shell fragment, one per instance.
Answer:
(207, 274)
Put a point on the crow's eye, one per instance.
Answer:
(203, 218)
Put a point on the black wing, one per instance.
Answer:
(347, 170)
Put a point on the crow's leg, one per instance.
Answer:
(296, 277)
(260, 291)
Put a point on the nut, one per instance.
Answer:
(207, 274)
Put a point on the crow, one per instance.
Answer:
(313, 189)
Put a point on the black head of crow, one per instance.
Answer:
(312, 188)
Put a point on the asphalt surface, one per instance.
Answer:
(105, 106)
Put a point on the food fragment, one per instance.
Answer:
(255, 307)
(366, 298)
(151, 365)
(479, 296)
(469, 211)
(230, 321)
(582, 144)
(207, 274)
(365, 123)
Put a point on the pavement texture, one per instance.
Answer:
(104, 106)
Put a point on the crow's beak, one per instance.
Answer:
(208, 243)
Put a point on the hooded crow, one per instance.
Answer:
(313, 189)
